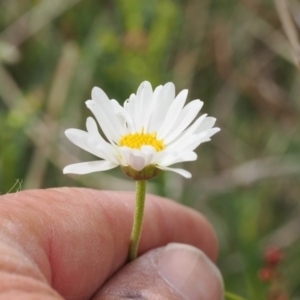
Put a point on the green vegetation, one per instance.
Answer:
(231, 54)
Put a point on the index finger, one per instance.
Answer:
(78, 238)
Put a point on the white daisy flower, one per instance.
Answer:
(151, 132)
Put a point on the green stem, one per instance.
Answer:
(138, 218)
(231, 296)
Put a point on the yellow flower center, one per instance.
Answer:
(137, 140)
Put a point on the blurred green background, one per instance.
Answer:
(231, 54)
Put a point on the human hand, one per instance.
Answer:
(72, 243)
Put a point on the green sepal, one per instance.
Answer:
(147, 173)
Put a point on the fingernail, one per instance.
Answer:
(188, 271)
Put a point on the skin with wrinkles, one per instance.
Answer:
(66, 243)
(148, 282)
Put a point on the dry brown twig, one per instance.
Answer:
(58, 95)
(250, 173)
(33, 20)
(289, 28)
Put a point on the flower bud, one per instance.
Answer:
(273, 255)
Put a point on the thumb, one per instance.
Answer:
(176, 272)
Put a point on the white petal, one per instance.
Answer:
(172, 114)
(124, 116)
(193, 141)
(166, 96)
(124, 155)
(208, 123)
(99, 96)
(147, 149)
(212, 131)
(137, 162)
(149, 153)
(195, 144)
(138, 158)
(185, 118)
(154, 105)
(187, 133)
(110, 125)
(184, 142)
(130, 106)
(156, 91)
(94, 144)
(145, 109)
(107, 152)
(144, 96)
(160, 156)
(182, 172)
(81, 139)
(108, 107)
(196, 124)
(168, 93)
(116, 106)
(89, 167)
(181, 157)
(92, 129)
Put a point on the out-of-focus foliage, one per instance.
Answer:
(231, 54)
